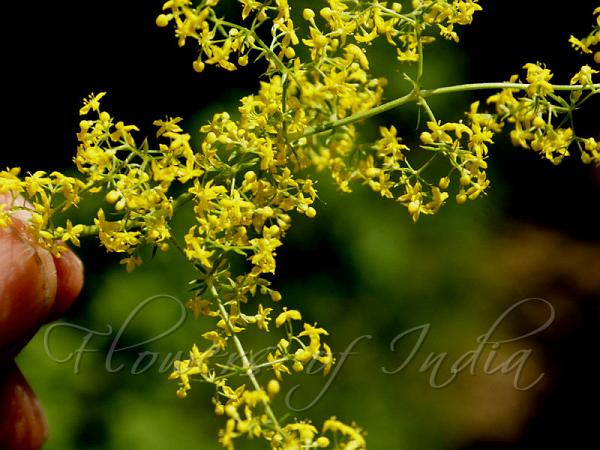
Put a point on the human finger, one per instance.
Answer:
(69, 275)
(23, 424)
(28, 284)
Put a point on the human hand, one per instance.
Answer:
(35, 288)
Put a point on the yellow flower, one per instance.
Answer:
(91, 103)
(584, 76)
(579, 45)
(195, 249)
(199, 307)
(204, 195)
(183, 371)
(354, 52)
(216, 338)
(169, 125)
(317, 42)
(306, 431)
(539, 79)
(10, 181)
(199, 359)
(326, 358)
(228, 435)
(123, 132)
(249, 6)
(313, 349)
(131, 262)
(262, 317)
(220, 56)
(253, 398)
(286, 315)
(554, 144)
(591, 152)
(356, 441)
(264, 256)
(278, 367)
(438, 199)
(72, 233)
(113, 236)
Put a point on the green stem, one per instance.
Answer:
(414, 96)
(362, 115)
(424, 166)
(245, 361)
(247, 366)
(391, 12)
(271, 363)
(420, 62)
(427, 108)
(501, 85)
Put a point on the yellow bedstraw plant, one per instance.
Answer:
(251, 174)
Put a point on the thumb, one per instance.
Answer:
(28, 285)
(35, 287)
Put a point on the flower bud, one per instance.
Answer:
(273, 388)
(162, 20)
(308, 14)
(322, 442)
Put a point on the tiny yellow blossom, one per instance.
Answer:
(92, 103)
(286, 315)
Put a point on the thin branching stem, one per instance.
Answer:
(416, 96)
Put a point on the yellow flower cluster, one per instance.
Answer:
(404, 31)
(590, 153)
(136, 180)
(586, 44)
(446, 14)
(46, 194)
(534, 114)
(466, 147)
(220, 41)
(247, 411)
